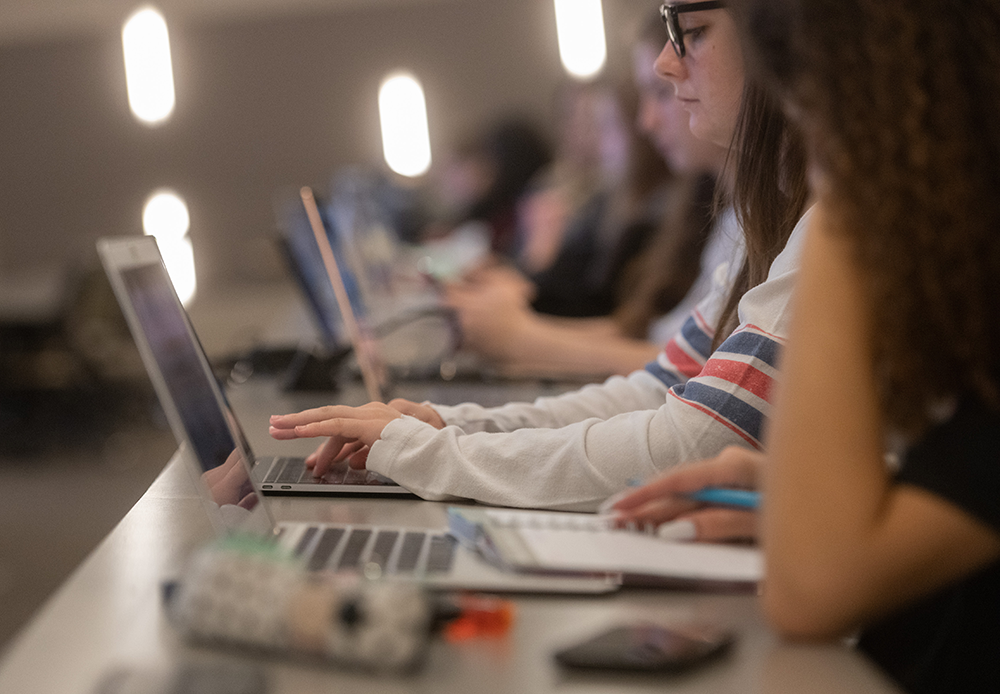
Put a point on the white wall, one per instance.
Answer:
(261, 103)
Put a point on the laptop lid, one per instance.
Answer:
(366, 350)
(193, 402)
(306, 267)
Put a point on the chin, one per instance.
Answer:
(698, 126)
(710, 134)
(704, 129)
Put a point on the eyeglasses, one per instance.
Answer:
(670, 13)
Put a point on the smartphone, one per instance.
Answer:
(648, 648)
(220, 677)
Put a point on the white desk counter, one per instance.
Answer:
(109, 613)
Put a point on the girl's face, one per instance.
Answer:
(596, 133)
(708, 81)
(664, 120)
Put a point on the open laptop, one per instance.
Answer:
(366, 349)
(397, 330)
(225, 471)
(389, 343)
(185, 384)
(306, 267)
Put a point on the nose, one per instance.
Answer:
(669, 66)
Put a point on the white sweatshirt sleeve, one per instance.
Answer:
(639, 390)
(575, 450)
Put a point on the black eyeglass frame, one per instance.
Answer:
(670, 14)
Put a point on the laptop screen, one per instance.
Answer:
(306, 266)
(175, 354)
(193, 400)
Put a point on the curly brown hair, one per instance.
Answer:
(900, 100)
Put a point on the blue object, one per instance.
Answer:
(740, 498)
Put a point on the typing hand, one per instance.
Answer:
(665, 497)
(352, 431)
(422, 411)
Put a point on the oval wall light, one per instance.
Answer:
(149, 74)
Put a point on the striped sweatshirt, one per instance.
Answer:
(574, 450)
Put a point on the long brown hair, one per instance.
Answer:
(769, 191)
(656, 281)
(901, 100)
(765, 182)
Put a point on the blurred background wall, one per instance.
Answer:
(268, 95)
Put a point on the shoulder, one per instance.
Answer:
(959, 459)
(768, 305)
(791, 255)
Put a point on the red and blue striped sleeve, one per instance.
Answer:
(734, 385)
(686, 353)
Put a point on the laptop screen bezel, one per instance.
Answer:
(127, 254)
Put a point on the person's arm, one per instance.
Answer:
(499, 325)
(548, 348)
(576, 466)
(843, 542)
(600, 326)
(709, 405)
(684, 356)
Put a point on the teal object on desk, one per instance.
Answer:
(740, 498)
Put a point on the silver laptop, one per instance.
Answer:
(186, 386)
(219, 458)
(395, 335)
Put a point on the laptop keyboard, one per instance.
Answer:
(415, 553)
(294, 471)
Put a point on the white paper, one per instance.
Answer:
(583, 542)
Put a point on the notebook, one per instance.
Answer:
(588, 543)
(186, 386)
(220, 461)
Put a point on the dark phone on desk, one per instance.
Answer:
(647, 648)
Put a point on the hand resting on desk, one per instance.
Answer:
(352, 430)
(664, 498)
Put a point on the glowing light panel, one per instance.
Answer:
(149, 75)
(165, 217)
(580, 29)
(402, 109)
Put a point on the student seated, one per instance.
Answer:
(481, 181)
(893, 348)
(710, 386)
(595, 204)
(658, 291)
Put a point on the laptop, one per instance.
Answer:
(366, 351)
(398, 329)
(187, 388)
(386, 320)
(306, 267)
(226, 473)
